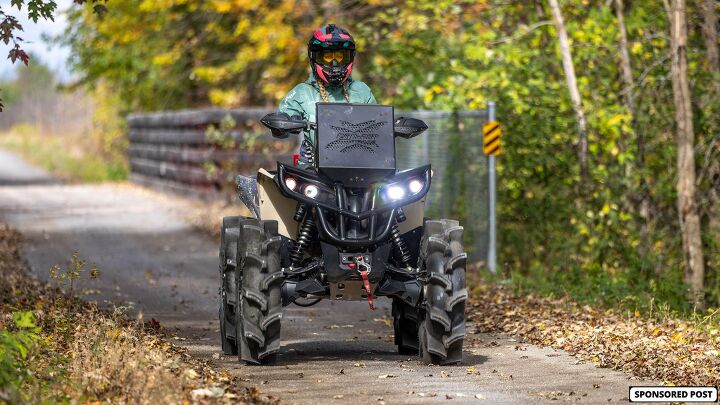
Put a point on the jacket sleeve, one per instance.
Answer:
(295, 104)
(292, 104)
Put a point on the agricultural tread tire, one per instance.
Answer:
(258, 291)
(229, 233)
(442, 324)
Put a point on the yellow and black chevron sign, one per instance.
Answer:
(492, 135)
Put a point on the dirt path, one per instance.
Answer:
(151, 257)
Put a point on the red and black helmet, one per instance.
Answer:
(331, 50)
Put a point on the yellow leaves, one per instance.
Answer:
(242, 27)
(222, 6)
(431, 92)
(678, 337)
(225, 98)
(166, 58)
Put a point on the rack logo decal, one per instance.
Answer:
(673, 394)
(351, 137)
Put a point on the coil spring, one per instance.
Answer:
(400, 248)
(306, 151)
(307, 229)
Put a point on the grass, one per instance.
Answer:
(55, 348)
(69, 157)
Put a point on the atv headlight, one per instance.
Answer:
(311, 191)
(291, 183)
(303, 185)
(405, 187)
(415, 185)
(395, 192)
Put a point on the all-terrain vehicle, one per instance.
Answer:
(346, 226)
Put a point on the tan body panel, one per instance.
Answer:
(276, 207)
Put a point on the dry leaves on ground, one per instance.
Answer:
(83, 354)
(674, 351)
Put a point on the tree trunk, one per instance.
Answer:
(710, 34)
(686, 204)
(625, 66)
(571, 79)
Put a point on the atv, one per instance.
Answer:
(343, 225)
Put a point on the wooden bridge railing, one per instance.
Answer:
(200, 151)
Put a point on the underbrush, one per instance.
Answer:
(55, 348)
(70, 157)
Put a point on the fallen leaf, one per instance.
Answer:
(213, 392)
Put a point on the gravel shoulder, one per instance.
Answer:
(153, 259)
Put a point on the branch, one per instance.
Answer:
(518, 35)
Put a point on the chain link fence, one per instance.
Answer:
(453, 146)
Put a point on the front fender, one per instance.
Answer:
(276, 207)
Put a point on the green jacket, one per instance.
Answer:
(302, 98)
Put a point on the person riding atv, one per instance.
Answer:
(341, 223)
(331, 51)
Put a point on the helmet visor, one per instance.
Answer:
(341, 56)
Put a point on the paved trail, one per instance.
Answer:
(151, 257)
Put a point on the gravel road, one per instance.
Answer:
(152, 260)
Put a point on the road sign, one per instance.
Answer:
(492, 135)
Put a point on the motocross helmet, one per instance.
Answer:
(331, 50)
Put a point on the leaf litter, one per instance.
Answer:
(673, 350)
(83, 354)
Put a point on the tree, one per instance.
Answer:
(686, 199)
(571, 79)
(36, 10)
(710, 34)
(625, 64)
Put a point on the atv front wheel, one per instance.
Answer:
(259, 278)
(442, 325)
(229, 234)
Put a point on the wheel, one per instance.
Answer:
(442, 325)
(405, 323)
(229, 233)
(259, 308)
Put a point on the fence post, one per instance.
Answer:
(492, 200)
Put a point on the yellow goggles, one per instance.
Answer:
(340, 56)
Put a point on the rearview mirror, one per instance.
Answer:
(409, 127)
(281, 124)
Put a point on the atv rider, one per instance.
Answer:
(331, 50)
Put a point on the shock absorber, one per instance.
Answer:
(401, 249)
(306, 151)
(305, 234)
